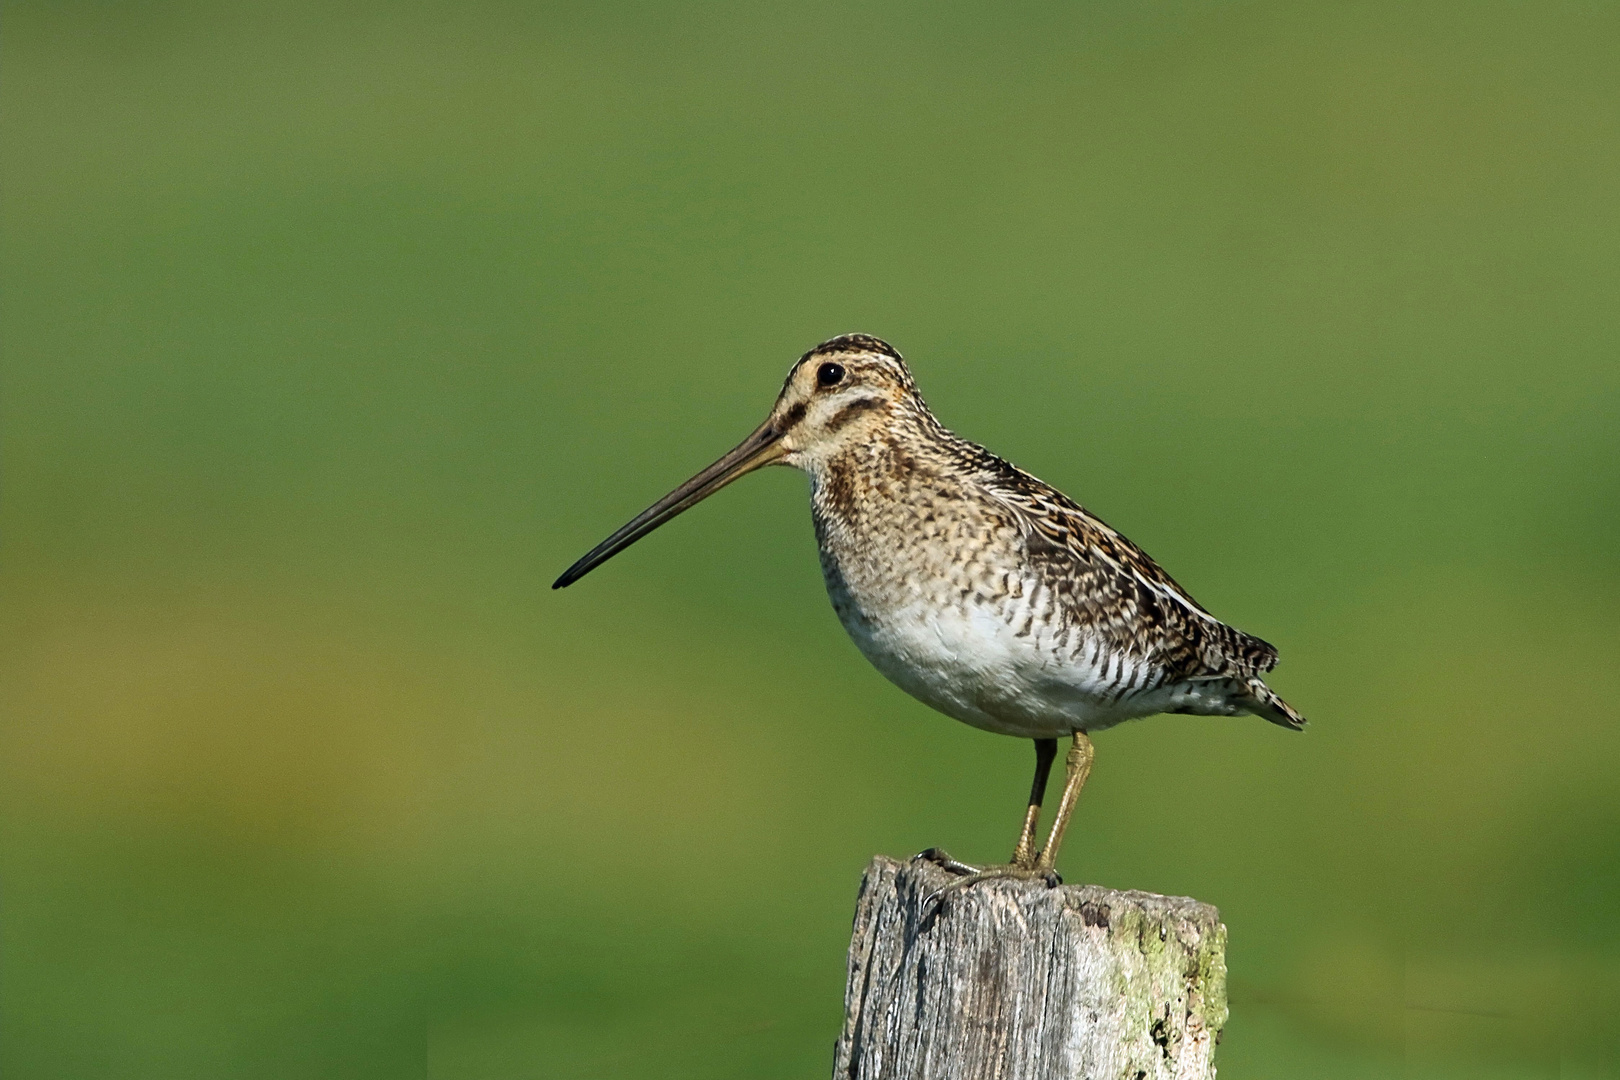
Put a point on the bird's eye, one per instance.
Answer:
(830, 374)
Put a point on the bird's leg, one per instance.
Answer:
(1081, 755)
(1023, 865)
(1024, 854)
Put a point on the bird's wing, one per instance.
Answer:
(1112, 587)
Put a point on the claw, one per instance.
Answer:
(936, 899)
(942, 859)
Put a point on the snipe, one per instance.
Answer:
(975, 587)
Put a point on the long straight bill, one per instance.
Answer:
(760, 448)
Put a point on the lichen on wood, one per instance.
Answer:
(1020, 981)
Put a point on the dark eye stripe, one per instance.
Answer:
(852, 410)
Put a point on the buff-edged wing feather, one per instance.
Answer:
(1113, 589)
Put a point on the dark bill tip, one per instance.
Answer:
(760, 448)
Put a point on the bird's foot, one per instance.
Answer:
(942, 859)
(973, 875)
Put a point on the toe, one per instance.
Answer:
(942, 859)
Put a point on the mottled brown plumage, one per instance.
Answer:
(974, 586)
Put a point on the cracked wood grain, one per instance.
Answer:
(1013, 980)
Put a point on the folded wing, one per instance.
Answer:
(1113, 590)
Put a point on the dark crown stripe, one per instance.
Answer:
(846, 343)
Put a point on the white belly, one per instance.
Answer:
(975, 635)
(970, 663)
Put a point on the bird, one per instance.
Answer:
(978, 589)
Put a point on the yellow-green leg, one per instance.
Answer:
(1081, 755)
(1026, 863)
(1025, 853)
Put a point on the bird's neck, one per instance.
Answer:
(897, 470)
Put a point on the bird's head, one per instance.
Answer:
(841, 393)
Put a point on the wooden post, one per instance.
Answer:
(1018, 981)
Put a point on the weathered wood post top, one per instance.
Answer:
(1019, 981)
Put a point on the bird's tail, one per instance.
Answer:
(1265, 702)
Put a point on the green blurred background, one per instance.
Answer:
(332, 333)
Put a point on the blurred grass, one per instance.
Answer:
(332, 333)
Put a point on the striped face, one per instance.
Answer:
(839, 394)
